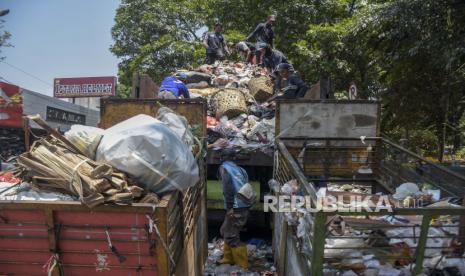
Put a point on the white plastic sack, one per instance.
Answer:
(176, 123)
(436, 239)
(406, 190)
(342, 252)
(150, 152)
(85, 138)
(30, 194)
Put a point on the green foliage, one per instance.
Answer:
(409, 54)
(4, 37)
(123, 91)
(156, 37)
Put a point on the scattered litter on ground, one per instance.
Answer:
(260, 260)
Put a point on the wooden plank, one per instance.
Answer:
(27, 136)
(163, 263)
(195, 111)
(310, 189)
(43, 124)
(52, 239)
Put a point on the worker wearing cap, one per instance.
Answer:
(215, 44)
(239, 196)
(264, 35)
(273, 58)
(247, 50)
(172, 87)
(293, 85)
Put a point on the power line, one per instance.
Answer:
(2, 78)
(29, 74)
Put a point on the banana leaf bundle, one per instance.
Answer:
(53, 164)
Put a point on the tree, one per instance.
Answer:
(156, 37)
(409, 54)
(4, 37)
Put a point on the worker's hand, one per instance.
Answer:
(230, 213)
(269, 82)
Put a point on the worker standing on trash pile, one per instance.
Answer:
(215, 44)
(264, 36)
(172, 87)
(239, 196)
(248, 51)
(293, 86)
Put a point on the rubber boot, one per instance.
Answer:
(227, 255)
(240, 256)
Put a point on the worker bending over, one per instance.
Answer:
(172, 87)
(292, 85)
(264, 36)
(215, 44)
(238, 198)
(248, 51)
(272, 59)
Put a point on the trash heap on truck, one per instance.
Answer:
(240, 115)
(130, 197)
(137, 160)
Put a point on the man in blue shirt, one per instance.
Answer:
(173, 88)
(239, 196)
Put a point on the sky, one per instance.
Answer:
(57, 38)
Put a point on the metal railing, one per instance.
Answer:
(334, 238)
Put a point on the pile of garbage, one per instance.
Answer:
(381, 244)
(137, 160)
(260, 260)
(240, 117)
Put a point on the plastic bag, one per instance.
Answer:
(150, 152)
(196, 77)
(405, 190)
(85, 138)
(262, 132)
(198, 85)
(177, 123)
(227, 129)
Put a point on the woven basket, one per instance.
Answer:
(230, 102)
(259, 89)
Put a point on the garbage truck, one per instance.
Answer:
(333, 150)
(164, 238)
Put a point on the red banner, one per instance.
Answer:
(84, 87)
(11, 105)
